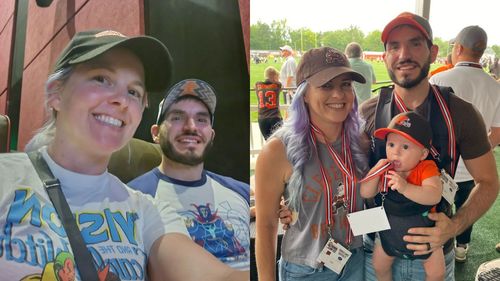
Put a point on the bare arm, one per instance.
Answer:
(494, 136)
(271, 173)
(369, 188)
(288, 81)
(428, 194)
(483, 195)
(175, 257)
(483, 170)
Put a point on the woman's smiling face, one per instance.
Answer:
(100, 106)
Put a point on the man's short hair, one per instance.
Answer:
(473, 38)
(353, 50)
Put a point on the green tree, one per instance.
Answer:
(372, 42)
(354, 34)
(338, 39)
(259, 36)
(444, 47)
(496, 48)
(280, 34)
(303, 39)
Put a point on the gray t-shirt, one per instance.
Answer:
(305, 239)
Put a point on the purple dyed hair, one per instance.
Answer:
(294, 133)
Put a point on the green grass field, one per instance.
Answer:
(485, 235)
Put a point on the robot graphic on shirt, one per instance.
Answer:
(211, 232)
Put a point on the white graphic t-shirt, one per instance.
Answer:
(118, 224)
(215, 210)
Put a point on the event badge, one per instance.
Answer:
(368, 221)
(334, 256)
(450, 187)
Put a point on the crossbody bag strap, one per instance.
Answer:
(83, 258)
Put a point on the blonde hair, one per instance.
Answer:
(270, 72)
(47, 132)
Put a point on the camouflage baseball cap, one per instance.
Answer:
(188, 87)
(154, 56)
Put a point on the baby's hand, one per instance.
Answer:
(381, 162)
(396, 182)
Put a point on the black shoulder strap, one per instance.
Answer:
(383, 116)
(83, 258)
(440, 133)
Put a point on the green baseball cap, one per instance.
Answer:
(154, 56)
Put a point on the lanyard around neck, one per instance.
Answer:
(469, 64)
(382, 170)
(346, 166)
(445, 112)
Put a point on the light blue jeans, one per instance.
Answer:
(406, 270)
(352, 271)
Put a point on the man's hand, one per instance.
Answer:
(285, 216)
(436, 236)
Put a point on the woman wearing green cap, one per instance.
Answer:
(96, 96)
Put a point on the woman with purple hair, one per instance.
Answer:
(313, 161)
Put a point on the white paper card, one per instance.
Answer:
(334, 256)
(368, 221)
(450, 187)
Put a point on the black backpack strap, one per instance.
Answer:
(440, 133)
(383, 116)
(83, 258)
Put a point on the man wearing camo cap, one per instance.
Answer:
(214, 207)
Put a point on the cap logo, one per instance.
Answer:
(109, 33)
(335, 58)
(404, 121)
(188, 88)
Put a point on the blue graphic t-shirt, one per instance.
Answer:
(215, 210)
(118, 224)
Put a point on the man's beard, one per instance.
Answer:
(188, 158)
(406, 82)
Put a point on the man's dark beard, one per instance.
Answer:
(188, 159)
(406, 83)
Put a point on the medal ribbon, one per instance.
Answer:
(382, 170)
(449, 124)
(346, 166)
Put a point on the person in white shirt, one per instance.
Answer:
(287, 72)
(470, 82)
